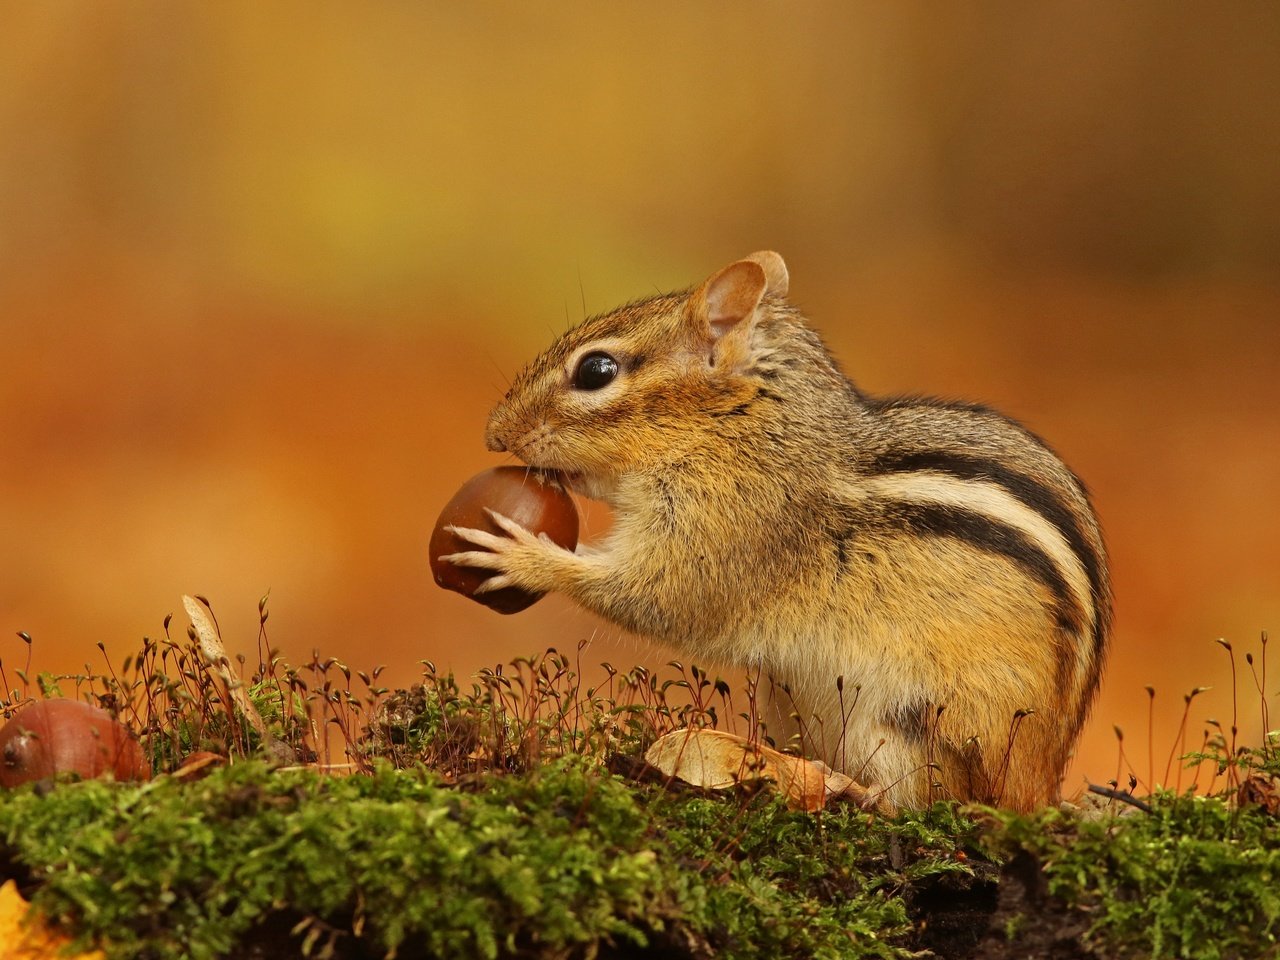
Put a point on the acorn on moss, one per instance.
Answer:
(51, 737)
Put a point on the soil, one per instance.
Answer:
(1006, 917)
(959, 918)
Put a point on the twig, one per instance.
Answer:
(1123, 795)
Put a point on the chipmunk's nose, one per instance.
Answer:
(491, 438)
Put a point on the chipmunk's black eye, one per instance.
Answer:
(595, 370)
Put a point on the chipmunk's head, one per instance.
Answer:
(643, 384)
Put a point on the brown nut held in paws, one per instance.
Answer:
(532, 498)
(50, 737)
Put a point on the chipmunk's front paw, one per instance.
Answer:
(518, 557)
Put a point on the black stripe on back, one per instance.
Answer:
(989, 536)
(1031, 493)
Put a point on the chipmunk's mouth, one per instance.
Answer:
(536, 448)
(572, 480)
(576, 480)
(594, 486)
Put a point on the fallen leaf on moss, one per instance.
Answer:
(30, 939)
(199, 765)
(1261, 790)
(716, 760)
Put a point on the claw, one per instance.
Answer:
(484, 559)
(481, 538)
(496, 582)
(509, 526)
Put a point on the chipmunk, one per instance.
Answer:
(926, 579)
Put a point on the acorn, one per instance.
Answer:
(535, 499)
(52, 737)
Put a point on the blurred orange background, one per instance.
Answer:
(265, 267)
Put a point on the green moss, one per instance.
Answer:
(485, 823)
(557, 862)
(1197, 878)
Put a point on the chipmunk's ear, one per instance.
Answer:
(732, 295)
(775, 272)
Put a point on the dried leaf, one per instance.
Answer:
(1262, 791)
(211, 647)
(199, 765)
(716, 760)
(23, 938)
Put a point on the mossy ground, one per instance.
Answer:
(515, 820)
(567, 860)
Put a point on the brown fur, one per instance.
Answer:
(937, 557)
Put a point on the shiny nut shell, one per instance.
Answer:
(52, 737)
(532, 498)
